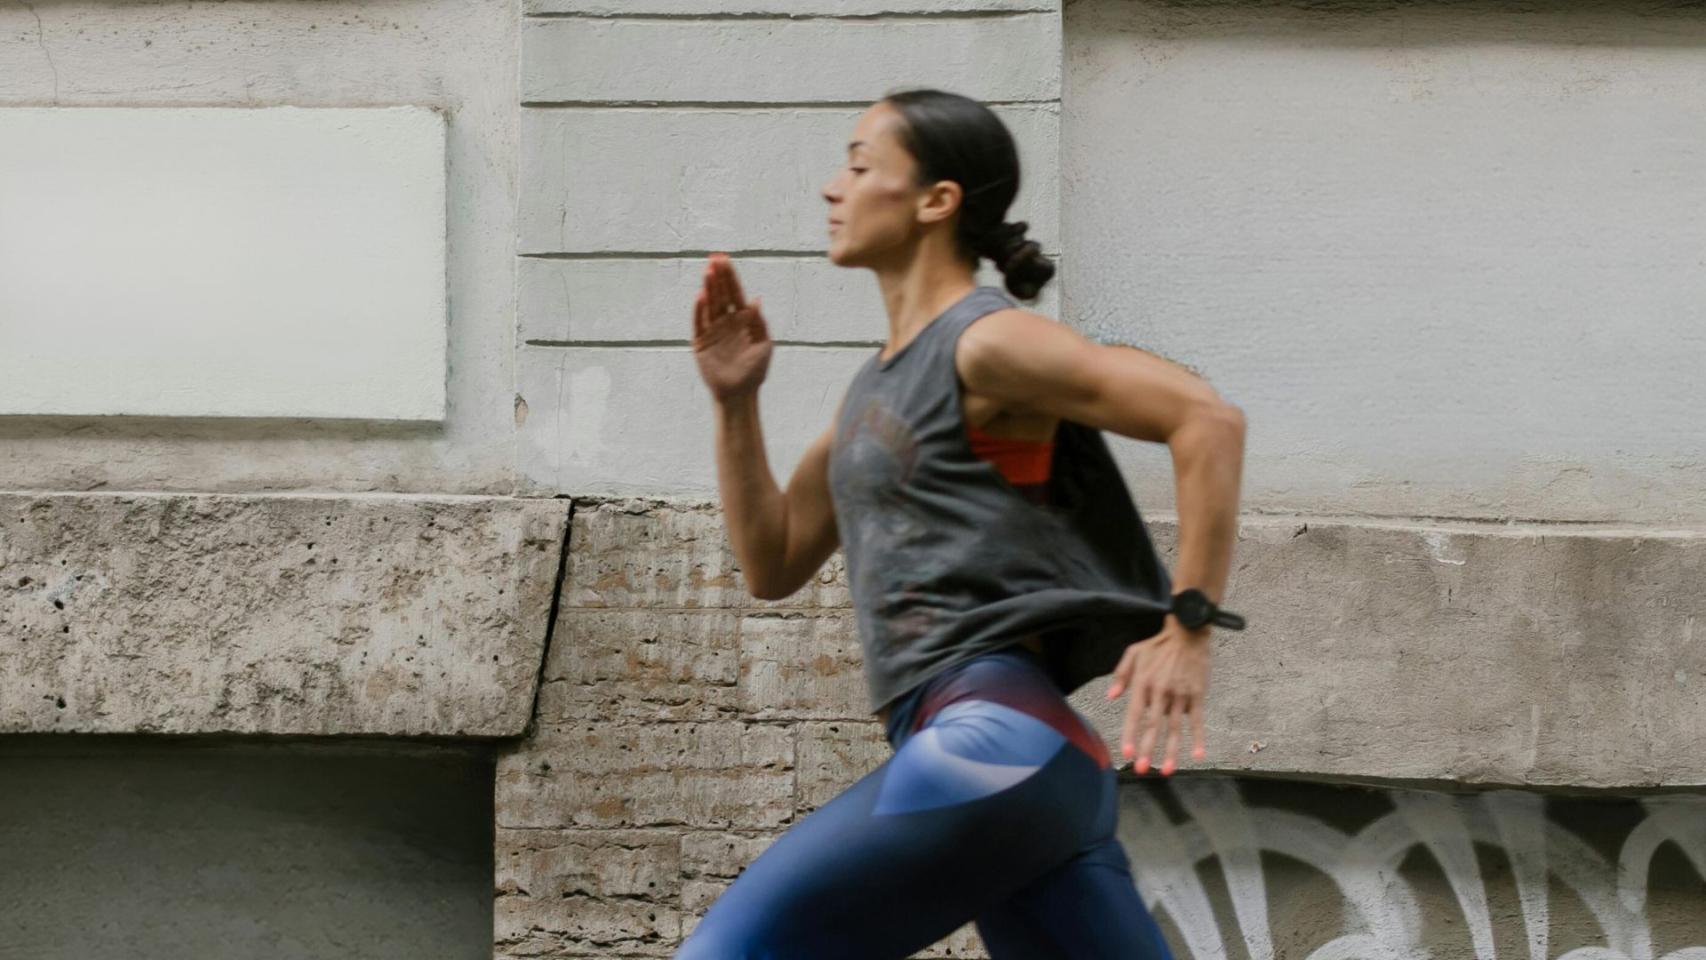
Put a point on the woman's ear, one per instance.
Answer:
(941, 200)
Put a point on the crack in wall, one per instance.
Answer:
(41, 40)
(551, 623)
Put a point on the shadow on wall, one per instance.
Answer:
(147, 848)
(1275, 870)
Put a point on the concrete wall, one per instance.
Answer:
(1444, 254)
(734, 160)
(1379, 228)
(166, 849)
(458, 58)
(401, 616)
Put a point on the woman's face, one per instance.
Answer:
(873, 201)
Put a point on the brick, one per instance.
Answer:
(650, 553)
(833, 756)
(724, 774)
(719, 854)
(582, 926)
(641, 664)
(802, 666)
(548, 865)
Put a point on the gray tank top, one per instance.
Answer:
(946, 559)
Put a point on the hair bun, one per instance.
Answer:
(1007, 240)
(1020, 261)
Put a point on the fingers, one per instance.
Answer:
(727, 287)
(701, 315)
(1159, 703)
(736, 294)
(1175, 715)
(714, 299)
(1133, 725)
(1122, 672)
(1199, 745)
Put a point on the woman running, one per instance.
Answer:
(996, 563)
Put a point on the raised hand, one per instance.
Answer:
(730, 340)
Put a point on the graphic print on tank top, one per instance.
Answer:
(879, 452)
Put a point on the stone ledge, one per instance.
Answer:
(386, 615)
(1394, 652)
(1478, 654)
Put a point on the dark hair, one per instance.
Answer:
(956, 138)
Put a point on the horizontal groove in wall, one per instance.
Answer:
(985, 14)
(679, 344)
(738, 104)
(696, 254)
(671, 254)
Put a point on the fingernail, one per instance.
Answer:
(1141, 766)
(1167, 769)
(1125, 750)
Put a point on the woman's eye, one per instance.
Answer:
(858, 169)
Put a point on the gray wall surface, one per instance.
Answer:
(179, 850)
(1448, 256)
(458, 57)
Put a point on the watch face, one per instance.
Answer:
(1191, 607)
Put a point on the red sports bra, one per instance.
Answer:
(1025, 463)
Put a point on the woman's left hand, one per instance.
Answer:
(1167, 675)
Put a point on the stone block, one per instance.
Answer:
(599, 60)
(720, 854)
(547, 866)
(833, 756)
(584, 926)
(306, 615)
(627, 421)
(796, 666)
(582, 192)
(807, 299)
(641, 664)
(637, 552)
(1486, 654)
(610, 775)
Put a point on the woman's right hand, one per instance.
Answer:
(730, 340)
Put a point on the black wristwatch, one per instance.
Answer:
(1194, 609)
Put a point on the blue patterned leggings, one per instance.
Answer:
(998, 806)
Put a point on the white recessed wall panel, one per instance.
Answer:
(212, 262)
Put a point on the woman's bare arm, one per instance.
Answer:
(1033, 363)
(780, 538)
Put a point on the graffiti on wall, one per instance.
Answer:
(1270, 870)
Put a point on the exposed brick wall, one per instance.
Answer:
(682, 725)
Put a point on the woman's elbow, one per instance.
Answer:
(1212, 426)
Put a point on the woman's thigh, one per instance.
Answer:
(970, 810)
